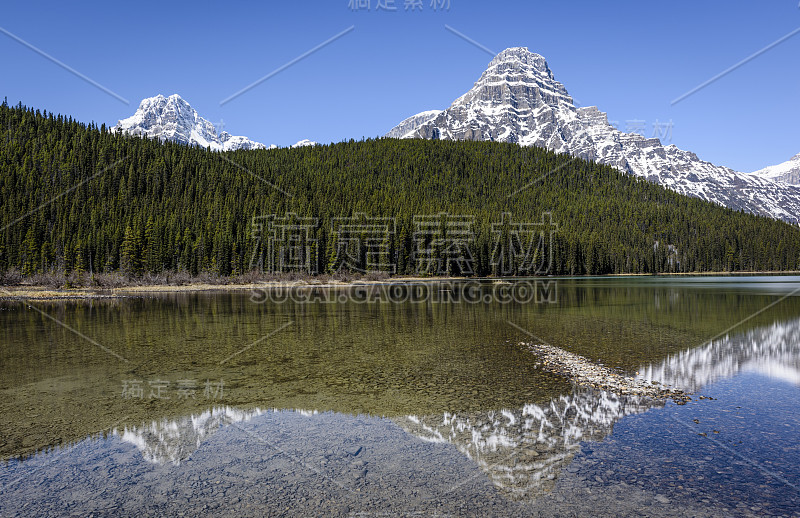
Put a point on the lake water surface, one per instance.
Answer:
(253, 404)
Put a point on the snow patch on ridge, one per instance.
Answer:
(787, 172)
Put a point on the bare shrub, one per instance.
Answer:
(10, 277)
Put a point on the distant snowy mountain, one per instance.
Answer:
(405, 128)
(788, 172)
(518, 100)
(303, 143)
(172, 118)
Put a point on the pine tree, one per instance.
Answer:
(152, 255)
(130, 259)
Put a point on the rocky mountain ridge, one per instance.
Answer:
(517, 99)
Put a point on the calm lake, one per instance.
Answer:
(404, 401)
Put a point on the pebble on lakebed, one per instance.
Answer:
(583, 372)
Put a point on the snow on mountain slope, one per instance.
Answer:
(788, 172)
(770, 351)
(517, 99)
(408, 125)
(172, 118)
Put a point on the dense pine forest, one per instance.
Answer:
(77, 198)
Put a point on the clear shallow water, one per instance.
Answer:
(365, 408)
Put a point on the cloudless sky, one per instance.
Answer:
(629, 58)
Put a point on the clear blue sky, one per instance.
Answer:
(629, 58)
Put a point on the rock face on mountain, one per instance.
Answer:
(788, 172)
(172, 118)
(405, 128)
(517, 99)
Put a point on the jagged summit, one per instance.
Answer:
(172, 118)
(517, 99)
(522, 58)
(517, 53)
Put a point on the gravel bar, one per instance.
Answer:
(587, 373)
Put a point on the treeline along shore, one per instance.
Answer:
(80, 202)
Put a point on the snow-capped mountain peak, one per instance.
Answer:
(172, 118)
(520, 59)
(517, 99)
(788, 172)
(303, 143)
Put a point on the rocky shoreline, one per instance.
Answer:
(588, 374)
(44, 293)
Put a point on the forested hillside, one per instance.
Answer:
(75, 197)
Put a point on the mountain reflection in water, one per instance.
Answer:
(772, 351)
(523, 450)
(174, 440)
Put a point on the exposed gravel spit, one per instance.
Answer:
(584, 372)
